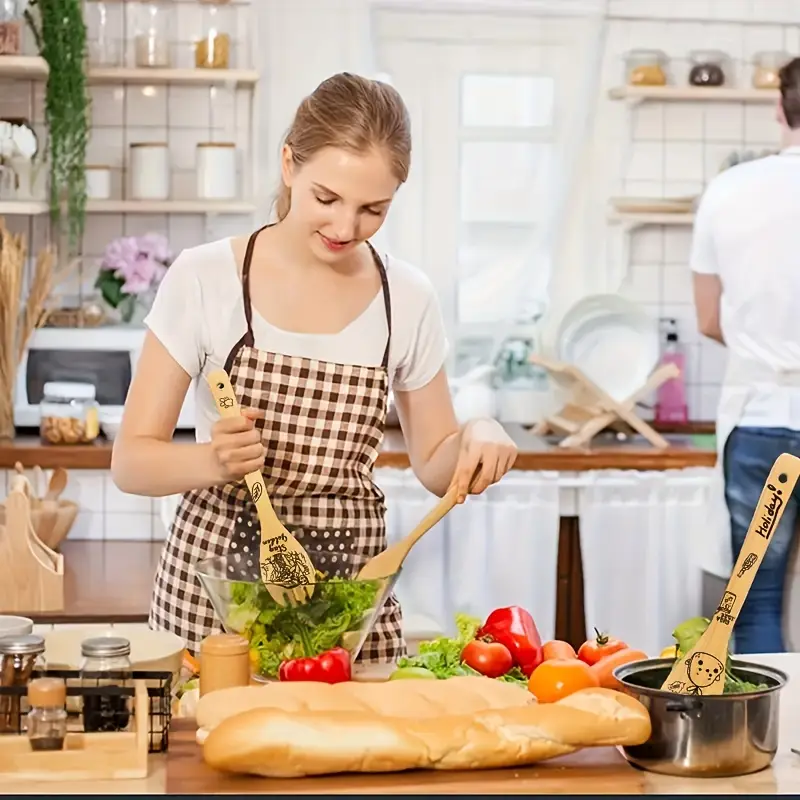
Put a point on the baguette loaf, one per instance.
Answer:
(462, 723)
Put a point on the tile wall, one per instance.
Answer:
(673, 149)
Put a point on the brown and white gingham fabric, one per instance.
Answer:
(322, 427)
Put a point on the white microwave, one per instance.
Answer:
(105, 357)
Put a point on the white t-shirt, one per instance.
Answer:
(198, 315)
(747, 231)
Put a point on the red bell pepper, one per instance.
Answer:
(514, 627)
(332, 666)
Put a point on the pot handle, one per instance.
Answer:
(684, 706)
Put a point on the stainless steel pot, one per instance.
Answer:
(723, 736)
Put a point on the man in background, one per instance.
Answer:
(746, 266)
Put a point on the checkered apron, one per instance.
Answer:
(322, 427)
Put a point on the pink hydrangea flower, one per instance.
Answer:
(141, 262)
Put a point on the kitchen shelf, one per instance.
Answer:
(638, 220)
(35, 68)
(170, 207)
(639, 94)
(30, 67)
(22, 208)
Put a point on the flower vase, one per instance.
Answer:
(133, 309)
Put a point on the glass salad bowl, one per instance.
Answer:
(341, 613)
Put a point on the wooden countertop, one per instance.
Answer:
(535, 453)
(105, 582)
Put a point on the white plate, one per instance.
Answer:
(613, 341)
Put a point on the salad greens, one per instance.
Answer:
(279, 633)
(442, 656)
(686, 636)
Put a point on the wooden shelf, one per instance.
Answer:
(631, 220)
(30, 67)
(22, 208)
(638, 94)
(170, 207)
(177, 77)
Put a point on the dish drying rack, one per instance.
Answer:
(91, 751)
(590, 410)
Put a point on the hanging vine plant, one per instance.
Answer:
(60, 33)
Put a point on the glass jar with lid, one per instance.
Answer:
(68, 413)
(153, 31)
(646, 68)
(21, 661)
(105, 668)
(11, 26)
(766, 69)
(709, 68)
(105, 25)
(47, 719)
(212, 50)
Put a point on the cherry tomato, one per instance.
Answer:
(560, 677)
(558, 649)
(491, 659)
(603, 670)
(592, 650)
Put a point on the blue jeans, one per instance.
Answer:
(749, 456)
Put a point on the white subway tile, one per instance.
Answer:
(141, 224)
(646, 161)
(99, 231)
(117, 501)
(88, 525)
(758, 38)
(683, 122)
(189, 107)
(677, 245)
(713, 359)
(185, 231)
(725, 122)
(647, 246)
(129, 526)
(146, 106)
(85, 487)
(643, 283)
(106, 147)
(108, 106)
(223, 108)
(683, 161)
(760, 124)
(715, 155)
(709, 400)
(677, 283)
(183, 147)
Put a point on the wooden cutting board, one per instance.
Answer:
(599, 770)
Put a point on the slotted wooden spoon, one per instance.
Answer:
(276, 543)
(702, 670)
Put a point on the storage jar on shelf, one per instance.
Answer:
(213, 49)
(153, 28)
(216, 170)
(69, 413)
(766, 69)
(149, 171)
(646, 68)
(12, 24)
(709, 68)
(105, 26)
(98, 182)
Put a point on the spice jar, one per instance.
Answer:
(216, 170)
(47, 719)
(709, 68)
(766, 69)
(21, 660)
(104, 32)
(224, 662)
(149, 171)
(213, 49)
(69, 414)
(646, 68)
(105, 668)
(151, 42)
(98, 182)
(11, 26)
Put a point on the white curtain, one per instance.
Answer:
(641, 565)
(498, 549)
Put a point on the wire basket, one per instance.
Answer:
(102, 705)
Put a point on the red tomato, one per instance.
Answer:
(603, 670)
(592, 650)
(560, 677)
(558, 649)
(491, 659)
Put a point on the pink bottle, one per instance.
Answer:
(671, 404)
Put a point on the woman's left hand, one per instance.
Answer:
(484, 444)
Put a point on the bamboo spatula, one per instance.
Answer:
(285, 567)
(391, 560)
(702, 670)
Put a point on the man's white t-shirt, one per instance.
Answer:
(747, 231)
(198, 315)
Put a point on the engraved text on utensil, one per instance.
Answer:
(286, 569)
(770, 512)
(725, 610)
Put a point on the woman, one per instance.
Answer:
(313, 327)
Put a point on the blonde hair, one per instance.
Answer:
(352, 113)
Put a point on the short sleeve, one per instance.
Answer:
(427, 349)
(703, 259)
(176, 317)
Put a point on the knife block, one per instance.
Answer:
(31, 574)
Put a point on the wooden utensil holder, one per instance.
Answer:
(86, 756)
(31, 574)
(589, 409)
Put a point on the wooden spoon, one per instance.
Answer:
(390, 561)
(276, 542)
(702, 670)
(58, 482)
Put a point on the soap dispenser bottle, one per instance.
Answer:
(671, 406)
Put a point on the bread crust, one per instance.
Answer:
(302, 729)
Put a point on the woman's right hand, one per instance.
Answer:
(236, 444)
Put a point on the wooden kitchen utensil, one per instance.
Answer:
(702, 670)
(285, 567)
(57, 484)
(31, 574)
